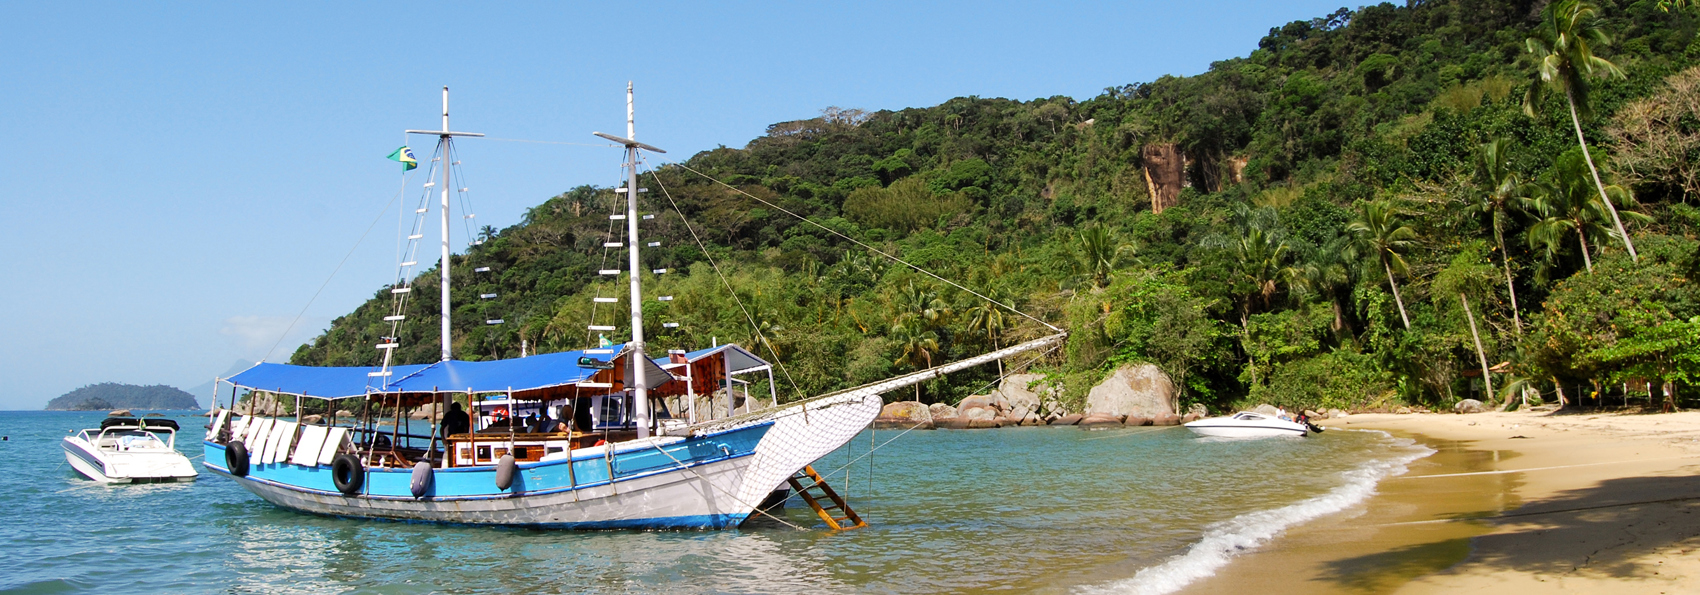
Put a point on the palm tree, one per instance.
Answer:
(991, 320)
(1099, 254)
(1565, 45)
(921, 305)
(1261, 260)
(1566, 204)
(917, 345)
(1326, 274)
(1377, 229)
(1500, 187)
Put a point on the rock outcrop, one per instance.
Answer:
(903, 415)
(941, 411)
(1165, 174)
(1133, 389)
(1469, 406)
(1100, 420)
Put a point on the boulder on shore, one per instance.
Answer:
(1100, 420)
(1189, 418)
(951, 423)
(984, 424)
(1167, 420)
(1266, 409)
(938, 411)
(1133, 389)
(904, 415)
(1469, 406)
(1136, 421)
(1023, 393)
(977, 412)
(1067, 420)
(1198, 411)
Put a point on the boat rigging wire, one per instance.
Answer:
(724, 281)
(871, 248)
(552, 142)
(381, 213)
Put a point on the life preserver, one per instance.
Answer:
(236, 458)
(348, 474)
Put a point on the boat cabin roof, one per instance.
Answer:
(146, 423)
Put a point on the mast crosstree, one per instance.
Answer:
(445, 138)
(640, 380)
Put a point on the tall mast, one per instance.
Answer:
(445, 141)
(640, 380)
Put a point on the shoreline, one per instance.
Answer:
(1522, 502)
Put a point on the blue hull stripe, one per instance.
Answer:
(479, 483)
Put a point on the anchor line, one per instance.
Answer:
(1011, 372)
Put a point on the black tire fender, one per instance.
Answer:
(506, 468)
(236, 458)
(348, 474)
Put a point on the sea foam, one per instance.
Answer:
(1224, 540)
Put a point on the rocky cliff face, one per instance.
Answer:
(1165, 174)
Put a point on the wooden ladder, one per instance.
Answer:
(850, 520)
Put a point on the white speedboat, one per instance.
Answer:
(129, 450)
(1247, 424)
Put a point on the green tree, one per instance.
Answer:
(1099, 254)
(1377, 230)
(916, 346)
(1500, 188)
(1566, 203)
(1565, 47)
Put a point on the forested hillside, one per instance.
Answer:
(1335, 220)
(113, 395)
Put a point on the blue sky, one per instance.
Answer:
(179, 179)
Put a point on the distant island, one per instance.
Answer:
(113, 395)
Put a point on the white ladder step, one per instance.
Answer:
(665, 298)
(481, 270)
(611, 244)
(424, 210)
(371, 374)
(654, 244)
(645, 217)
(617, 217)
(401, 290)
(386, 346)
(394, 318)
(595, 385)
(600, 327)
(494, 321)
(416, 236)
(430, 184)
(659, 271)
(608, 272)
(410, 263)
(669, 325)
(486, 296)
(603, 300)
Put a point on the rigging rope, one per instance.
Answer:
(724, 281)
(871, 248)
(381, 212)
(552, 142)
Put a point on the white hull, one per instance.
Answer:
(675, 498)
(1246, 425)
(126, 467)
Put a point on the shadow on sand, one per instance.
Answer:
(1605, 530)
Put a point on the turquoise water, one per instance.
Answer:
(1138, 510)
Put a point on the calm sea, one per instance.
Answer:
(1061, 510)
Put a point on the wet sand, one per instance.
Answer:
(1526, 502)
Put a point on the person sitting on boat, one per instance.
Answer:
(455, 421)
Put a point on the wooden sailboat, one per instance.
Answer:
(622, 469)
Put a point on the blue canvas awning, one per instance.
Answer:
(521, 374)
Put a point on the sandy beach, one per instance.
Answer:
(1522, 502)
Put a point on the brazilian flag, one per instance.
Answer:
(405, 156)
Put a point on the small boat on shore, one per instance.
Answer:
(1247, 424)
(129, 450)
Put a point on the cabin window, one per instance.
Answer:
(520, 452)
(612, 412)
(551, 450)
(484, 452)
